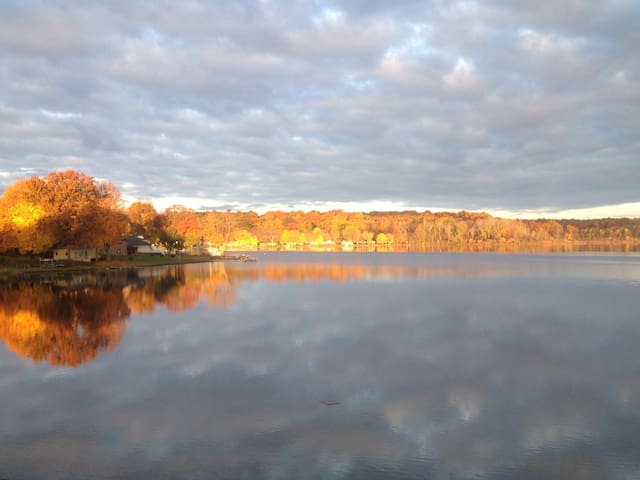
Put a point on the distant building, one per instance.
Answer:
(77, 254)
(347, 245)
(118, 248)
(138, 245)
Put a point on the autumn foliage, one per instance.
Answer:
(71, 208)
(63, 208)
(426, 230)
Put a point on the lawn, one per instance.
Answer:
(24, 263)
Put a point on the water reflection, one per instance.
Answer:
(179, 289)
(508, 368)
(61, 326)
(67, 319)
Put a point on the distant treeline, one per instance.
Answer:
(38, 214)
(399, 228)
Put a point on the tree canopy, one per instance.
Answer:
(63, 208)
(71, 208)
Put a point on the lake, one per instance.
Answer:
(326, 366)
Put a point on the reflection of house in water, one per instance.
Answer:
(91, 279)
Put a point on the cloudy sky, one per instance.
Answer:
(517, 108)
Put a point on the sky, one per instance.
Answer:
(521, 109)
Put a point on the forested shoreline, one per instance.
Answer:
(39, 214)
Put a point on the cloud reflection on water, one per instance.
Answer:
(524, 371)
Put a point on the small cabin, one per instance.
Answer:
(134, 245)
(77, 254)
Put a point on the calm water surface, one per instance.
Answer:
(326, 366)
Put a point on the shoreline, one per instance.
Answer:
(11, 265)
(20, 265)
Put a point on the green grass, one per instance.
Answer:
(18, 263)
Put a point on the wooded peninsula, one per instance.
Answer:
(69, 208)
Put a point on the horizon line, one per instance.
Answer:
(622, 210)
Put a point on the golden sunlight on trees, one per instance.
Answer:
(244, 238)
(317, 236)
(381, 238)
(144, 220)
(21, 210)
(291, 237)
(71, 208)
(186, 223)
(63, 208)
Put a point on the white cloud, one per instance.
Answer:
(630, 210)
(463, 77)
(464, 105)
(546, 43)
(60, 115)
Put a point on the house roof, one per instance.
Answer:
(133, 241)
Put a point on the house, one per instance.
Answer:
(347, 245)
(134, 245)
(77, 254)
(118, 248)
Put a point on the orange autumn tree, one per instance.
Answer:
(70, 208)
(145, 220)
(82, 211)
(62, 208)
(21, 217)
(186, 223)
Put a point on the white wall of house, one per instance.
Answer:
(88, 254)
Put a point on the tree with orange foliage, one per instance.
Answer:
(212, 227)
(63, 208)
(144, 220)
(186, 223)
(269, 228)
(21, 217)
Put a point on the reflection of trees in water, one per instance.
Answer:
(179, 288)
(61, 326)
(68, 320)
(174, 291)
(336, 272)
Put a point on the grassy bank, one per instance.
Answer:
(21, 264)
